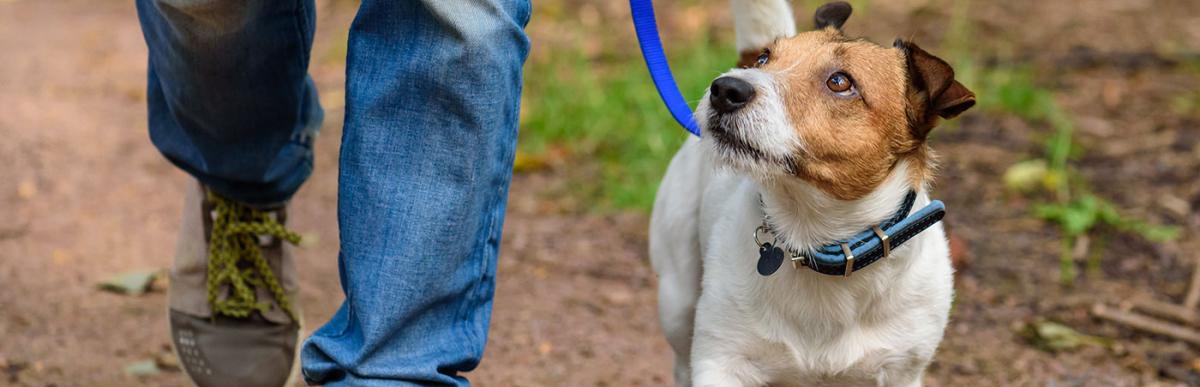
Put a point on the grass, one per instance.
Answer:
(605, 110)
(1072, 206)
(1068, 201)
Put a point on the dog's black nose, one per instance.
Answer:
(729, 94)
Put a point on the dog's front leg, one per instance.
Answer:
(722, 371)
(718, 361)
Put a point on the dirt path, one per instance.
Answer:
(83, 195)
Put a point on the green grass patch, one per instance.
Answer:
(604, 111)
(1071, 205)
(1067, 201)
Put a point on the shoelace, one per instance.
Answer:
(235, 259)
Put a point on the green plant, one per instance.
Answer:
(1079, 216)
(1072, 207)
(604, 111)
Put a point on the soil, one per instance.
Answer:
(84, 195)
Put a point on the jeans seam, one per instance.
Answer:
(301, 20)
(304, 137)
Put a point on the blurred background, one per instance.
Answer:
(1072, 190)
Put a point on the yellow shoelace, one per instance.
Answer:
(235, 259)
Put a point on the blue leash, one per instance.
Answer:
(656, 60)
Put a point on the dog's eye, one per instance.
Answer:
(763, 58)
(839, 82)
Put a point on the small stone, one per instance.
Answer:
(618, 297)
(142, 368)
(167, 362)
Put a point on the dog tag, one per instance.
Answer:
(770, 258)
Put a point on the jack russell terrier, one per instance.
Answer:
(814, 154)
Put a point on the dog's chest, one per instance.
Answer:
(853, 359)
(801, 328)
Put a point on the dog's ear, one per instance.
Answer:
(932, 91)
(832, 15)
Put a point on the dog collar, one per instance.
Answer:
(844, 257)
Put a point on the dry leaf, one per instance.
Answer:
(1054, 337)
(1025, 176)
(131, 282)
(526, 162)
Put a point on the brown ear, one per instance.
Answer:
(832, 15)
(932, 90)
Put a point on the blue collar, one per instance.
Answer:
(847, 256)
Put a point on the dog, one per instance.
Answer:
(809, 147)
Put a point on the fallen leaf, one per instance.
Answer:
(1054, 337)
(1025, 176)
(545, 348)
(142, 368)
(131, 282)
(526, 162)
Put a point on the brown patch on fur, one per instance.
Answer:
(852, 143)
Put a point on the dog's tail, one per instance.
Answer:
(759, 22)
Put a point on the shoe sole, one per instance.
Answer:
(291, 380)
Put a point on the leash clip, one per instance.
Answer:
(761, 229)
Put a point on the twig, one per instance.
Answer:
(1080, 248)
(1193, 294)
(1167, 310)
(1147, 324)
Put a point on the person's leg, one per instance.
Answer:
(230, 103)
(229, 97)
(433, 90)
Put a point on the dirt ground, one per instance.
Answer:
(83, 195)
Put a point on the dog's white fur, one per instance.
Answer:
(758, 22)
(728, 325)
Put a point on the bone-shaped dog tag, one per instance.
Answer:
(770, 258)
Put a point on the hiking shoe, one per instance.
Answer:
(233, 314)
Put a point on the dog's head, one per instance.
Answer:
(837, 112)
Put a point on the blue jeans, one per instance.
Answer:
(432, 97)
